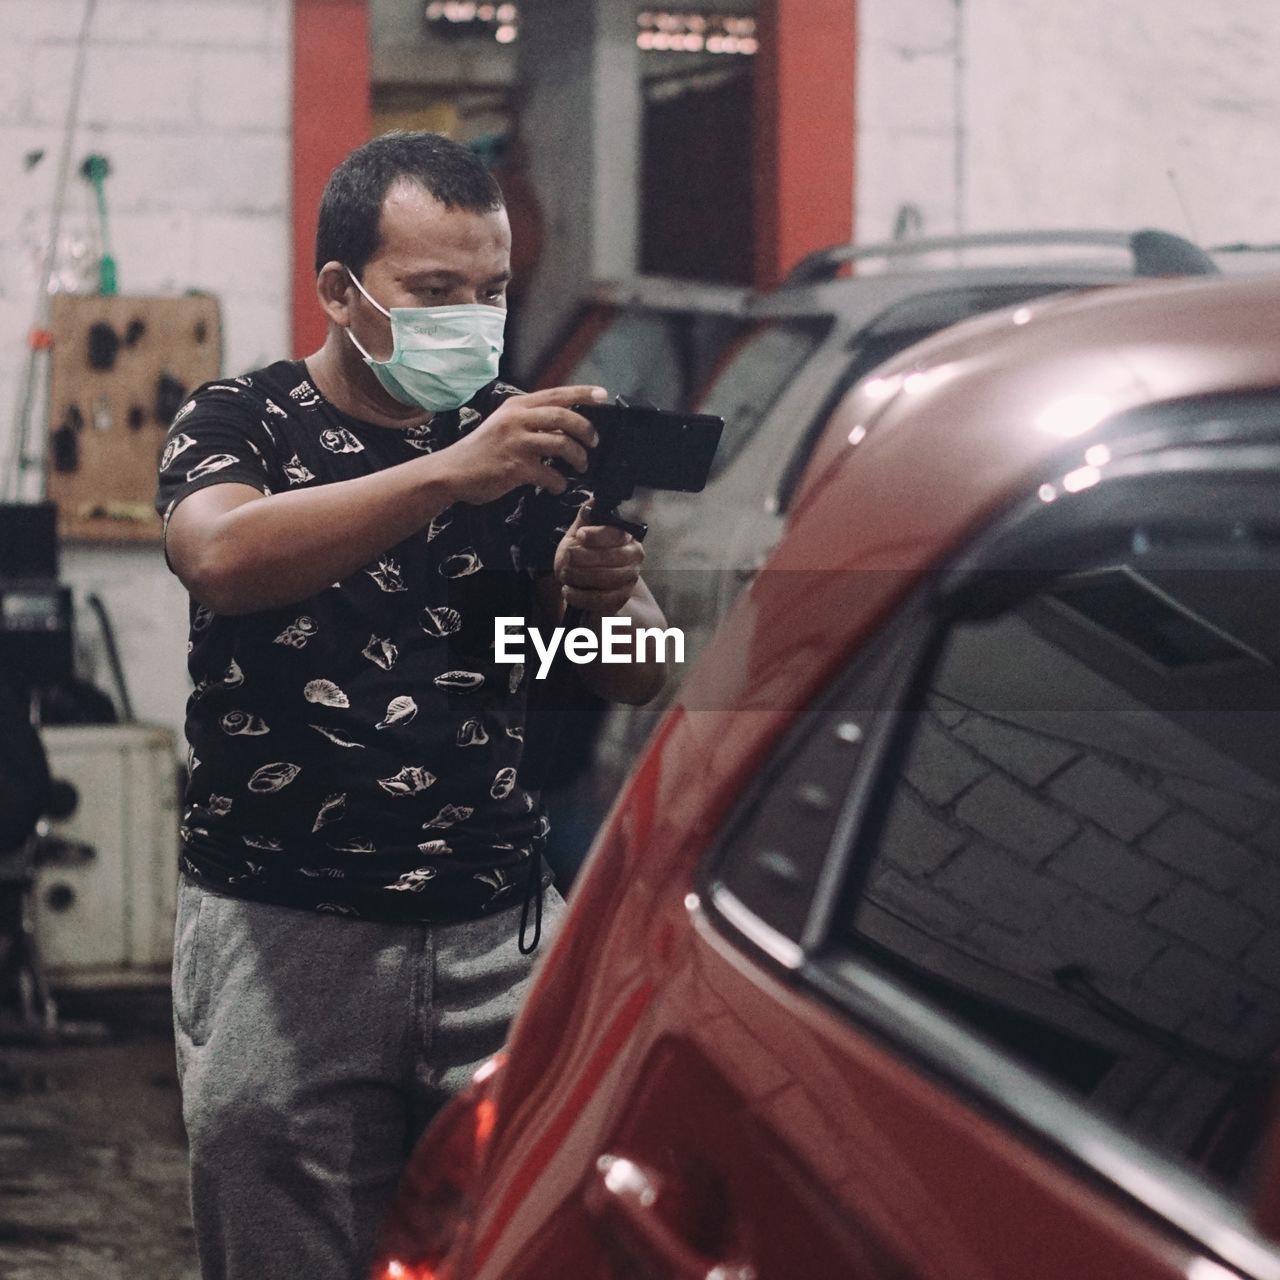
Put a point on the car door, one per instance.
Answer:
(983, 980)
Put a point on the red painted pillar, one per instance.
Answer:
(804, 130)
(331, 115)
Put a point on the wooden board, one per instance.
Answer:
(112, 394)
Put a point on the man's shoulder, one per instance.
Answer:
(275, 389)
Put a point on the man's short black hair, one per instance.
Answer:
(351, 206)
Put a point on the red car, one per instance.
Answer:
(937, 934)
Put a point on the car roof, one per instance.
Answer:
(935, 264)
(919, 456)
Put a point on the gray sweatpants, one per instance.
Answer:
(312, 1051)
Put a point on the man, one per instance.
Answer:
(357, 847)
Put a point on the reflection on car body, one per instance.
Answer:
(937, 934)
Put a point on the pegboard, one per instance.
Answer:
(120, 368)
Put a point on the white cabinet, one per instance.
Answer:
(114, 911)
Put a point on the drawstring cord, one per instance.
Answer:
(532, 894)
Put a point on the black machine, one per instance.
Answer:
(35, 609)
(35, 653)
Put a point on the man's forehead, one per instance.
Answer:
(413, 219)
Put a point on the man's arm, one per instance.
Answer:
(597, 570)
(239, 551)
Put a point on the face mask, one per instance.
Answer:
(441, 356)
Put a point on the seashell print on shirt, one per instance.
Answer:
(340, 440)
(382, 653)
(387, 575)
(334, 808)
(495, 877)
(471, 733)
(216, 462)
(355, 844)
(243, 724)
(274, 777)
(296, 472)
(400, 710)
(441, 622)
(449, 815)
(177, 445)
(325, 694)
(414, 881)
(305, 395)
(408, 782)
(421, 438)
(337, 736)
(267, 843)
(503, 784)
(459, 680)
(462, 565)
(298, 632)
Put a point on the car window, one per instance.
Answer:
(1078, 858)
(772, 855)
(752, 379)
(659, 356)
(894, 330)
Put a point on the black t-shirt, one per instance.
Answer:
(357, 751)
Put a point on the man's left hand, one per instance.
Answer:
(597, 566)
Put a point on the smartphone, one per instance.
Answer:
(653, 448)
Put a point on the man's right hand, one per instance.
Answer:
(511, 447)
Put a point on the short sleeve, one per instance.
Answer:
(217, 437)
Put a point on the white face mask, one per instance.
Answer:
(441, 356)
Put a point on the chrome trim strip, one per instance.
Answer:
(775, 945)
(1210, 1220)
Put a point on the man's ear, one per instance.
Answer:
(334, 288)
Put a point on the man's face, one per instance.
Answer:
(431, 256)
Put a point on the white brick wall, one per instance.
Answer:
(1005, 113)
(189, 99)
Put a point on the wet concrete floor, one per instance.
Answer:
(93, 1172)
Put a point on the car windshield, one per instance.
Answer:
(749, 383)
